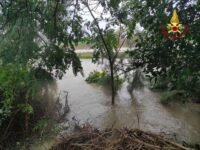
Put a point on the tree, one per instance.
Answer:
(105, 42)
(177, 61)
(40, 33)
(37, 37)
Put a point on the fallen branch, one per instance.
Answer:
(114, 139)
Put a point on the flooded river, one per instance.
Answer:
(92, 103)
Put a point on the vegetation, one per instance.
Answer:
(90, 55)
(103, 78)
(20, 108)
(38, 40)
(167, 96)
(85, 55)
(105, 42)
(47, 45)
(174, 61)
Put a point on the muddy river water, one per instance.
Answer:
(92, 103)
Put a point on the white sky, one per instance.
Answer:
(99, 11)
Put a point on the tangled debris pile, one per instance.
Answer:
(115, 139)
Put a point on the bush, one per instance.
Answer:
(189, 83)
(97, 77)
(19, 107)
(103, 78)
(168, 96)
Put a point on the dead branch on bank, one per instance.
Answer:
(115, 139)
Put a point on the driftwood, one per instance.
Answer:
(115, 139)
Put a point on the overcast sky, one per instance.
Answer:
(98, 11)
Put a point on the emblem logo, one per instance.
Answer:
(174, 30)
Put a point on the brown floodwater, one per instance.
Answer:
(92, 103)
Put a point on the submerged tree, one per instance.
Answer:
(104, 41)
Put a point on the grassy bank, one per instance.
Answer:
(90, 55)
(85, 55)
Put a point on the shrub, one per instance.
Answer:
(19, 107)
(103, 78)
(167, 96)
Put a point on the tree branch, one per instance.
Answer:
(1, 4)
(117, 52)
(100, 32)
(55, 15)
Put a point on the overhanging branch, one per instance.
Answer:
(100, 31)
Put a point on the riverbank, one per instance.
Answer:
(142, 110)
(125, 139)
(93, 104)
(89, 55)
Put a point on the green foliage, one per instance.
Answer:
(97, 44)
(90, 55)
(168, 96)
(13, 82)
(18, 88)
(98, 77)
(36, 38)
(114, 3)
(177, 61)
(57, 129)
(41, 34)
(85, 56)
(40, 125)
(104, 41)
(26, 108)
(103, 78)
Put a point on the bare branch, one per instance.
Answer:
(119, 48)
(1, 4)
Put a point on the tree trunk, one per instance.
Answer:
(112, 83)
(26, 124)
(26, 120)
(111, 60)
